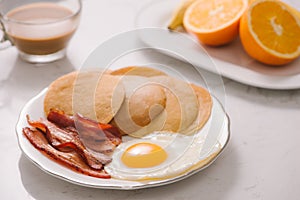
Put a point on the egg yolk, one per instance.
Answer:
(143, 155)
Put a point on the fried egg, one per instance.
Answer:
(159, 155)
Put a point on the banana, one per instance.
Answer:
(178, 14)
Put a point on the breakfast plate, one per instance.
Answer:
(217, 124)
(230, 61)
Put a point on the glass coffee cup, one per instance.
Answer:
(40, 30)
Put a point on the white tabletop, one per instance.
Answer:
(260, 162)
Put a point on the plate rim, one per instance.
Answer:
(134, 187)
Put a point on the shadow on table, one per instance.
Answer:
(34, 76)
(287, 99)
(215, 182)
(21, 81)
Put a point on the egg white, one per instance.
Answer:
(183, 153)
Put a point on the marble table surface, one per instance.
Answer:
(260, 162)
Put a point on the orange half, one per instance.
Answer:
(270, 32)
(214, 22)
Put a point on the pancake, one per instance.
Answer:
(137, 104)
(138, 71)
(59, 94)
(205, 106)
(186, 101)
(181, 107)
(146, 103)
(172, 122)
(173, 113)
(180, 98)
(93, 94)
(143, 103)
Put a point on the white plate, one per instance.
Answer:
(231, 60)
(34, 108)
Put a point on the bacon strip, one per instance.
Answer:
(59, 118)
(66, 141)
(70, 159)
(94, 135)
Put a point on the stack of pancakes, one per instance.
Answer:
(137, 100)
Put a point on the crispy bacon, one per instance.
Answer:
(93, 133)
(77, 142)
(90, 132)
(69, 159)
(67, 141)
(59, 118)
